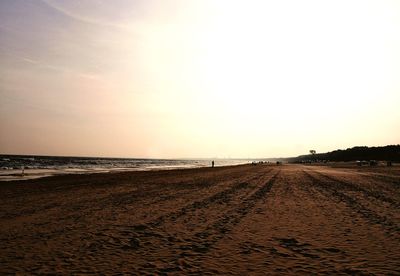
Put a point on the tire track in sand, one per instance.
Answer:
(223, 196)
(153, 227)
(202, 242)
(392, 180)
(332, 188)
(149, 238)
(356, 188)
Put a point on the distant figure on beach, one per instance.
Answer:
(22, 170)
(212, 164)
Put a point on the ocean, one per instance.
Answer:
(18, 167)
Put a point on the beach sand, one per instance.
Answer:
(241, 220)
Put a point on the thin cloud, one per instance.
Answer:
(83, 19)
(42, 64)
(28, 60)
(36, 62)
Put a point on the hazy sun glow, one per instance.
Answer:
(209, 78)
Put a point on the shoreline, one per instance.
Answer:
(29, 174)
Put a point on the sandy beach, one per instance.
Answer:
(239, 220)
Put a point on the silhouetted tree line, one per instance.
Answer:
(388, 153)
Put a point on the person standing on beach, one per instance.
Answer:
(212, 164)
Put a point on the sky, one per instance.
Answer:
(197, 79)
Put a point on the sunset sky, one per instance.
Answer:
(206, 78)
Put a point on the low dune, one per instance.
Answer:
(257, 220)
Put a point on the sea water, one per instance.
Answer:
(16, 167)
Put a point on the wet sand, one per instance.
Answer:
(253, 220)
